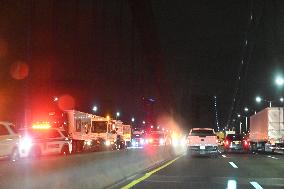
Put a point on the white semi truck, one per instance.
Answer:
(267, 130)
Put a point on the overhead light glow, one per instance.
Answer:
(279, 81)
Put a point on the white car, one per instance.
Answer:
(38, 141)
(9, 141)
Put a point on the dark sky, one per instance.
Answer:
(114, 53)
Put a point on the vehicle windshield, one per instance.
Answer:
(234, 137)
(202, 132)
(99, 127)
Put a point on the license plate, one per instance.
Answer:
(202, 147)
(237, 142)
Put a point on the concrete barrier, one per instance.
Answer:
(95, 170)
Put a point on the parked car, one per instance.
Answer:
(9, 141)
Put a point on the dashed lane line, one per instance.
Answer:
(255, 185)
(233, 164)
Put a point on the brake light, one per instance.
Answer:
(227, 142)
(246, 143)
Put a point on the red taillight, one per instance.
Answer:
(227, 142)
(245, 142)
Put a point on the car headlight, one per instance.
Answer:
(175, 142)
(88, 142)
(25, 143)
(108, 143)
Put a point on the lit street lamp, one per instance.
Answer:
(258, 99)
(281, 99)
(132, 119)
(246, 109)
(143, 122)
(108, 117)
(279, 80)
(117, 114)
(95, 108)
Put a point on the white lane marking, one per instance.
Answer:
(232, 184)
(233, 164)
(255, 185)
(224, 156)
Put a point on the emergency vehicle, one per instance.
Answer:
(157, 138)
(137, 138)
(9, 140)
(42, 139)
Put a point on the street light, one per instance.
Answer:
(132, 119)
(239, 115)
(95, 108)
(246, 109)
(279, 80)
(108, 117)
(117, 114)
(143, 122)
(281, 99)
(258, 99)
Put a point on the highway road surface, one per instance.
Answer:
(230, 171)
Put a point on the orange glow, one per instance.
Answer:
(108, 118)
(41, 126)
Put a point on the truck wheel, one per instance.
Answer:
(14, 155)
(65, 151)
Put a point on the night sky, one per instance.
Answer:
(117, 54)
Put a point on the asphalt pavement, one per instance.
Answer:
(225, 171)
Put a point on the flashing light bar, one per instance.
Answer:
(41, 126)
